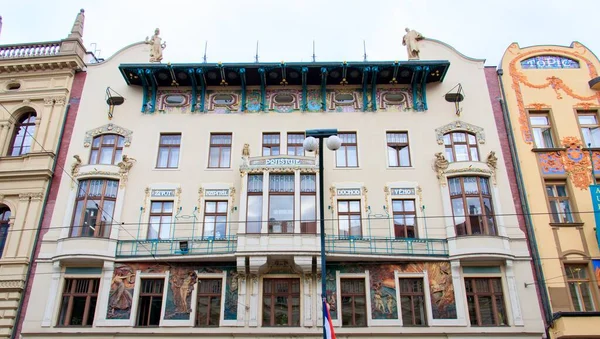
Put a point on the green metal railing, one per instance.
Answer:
(386, 246)
(178, 246)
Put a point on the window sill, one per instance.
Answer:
(549, 149)
(347, 168)
(219, 169)
(166, 169)
(400, 168)
(566, 224)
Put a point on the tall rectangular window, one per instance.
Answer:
(412, 301)
(161, 218)
(79, 302)
(485, 301)
(94, 208)
(541, 129)
(255, 203)
(588, 122)
(150, 302)
(579, 287)
(560, 206)
(107, 149)
(295, 144)
(271, 144)
(308, 203)
(281, 302)
(208, 312)
(350, 223)
(215, 219)
(347, 155)
(397, 149)
(405, 217)
(461, 146)
(168, 151)
(354, 305)
(472, 206)
(220, 150)
(281, 203)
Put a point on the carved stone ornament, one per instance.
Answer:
(31, 196)
(331, 196)
(440, 165)
(124, 166)
(364, 194)
(411, 41)
(48, 101)
(108, 129)
(492, 162)
(459, 126)
(246, 150)
(232, 195)
(59, 100)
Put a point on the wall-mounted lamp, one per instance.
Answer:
(113, 99)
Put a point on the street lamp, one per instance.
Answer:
(310, 144)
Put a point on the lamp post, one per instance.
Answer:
(310, 144)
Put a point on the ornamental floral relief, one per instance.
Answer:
(577, 162)
(559, 87)
(459, 126)
(108, 129)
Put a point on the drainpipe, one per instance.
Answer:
(39, 228)
(531, 239)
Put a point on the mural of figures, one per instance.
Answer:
(179, 298)
(596, 264)
(383, 287)
(182, 282)
(121, 293)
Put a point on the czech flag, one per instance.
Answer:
(327, 324)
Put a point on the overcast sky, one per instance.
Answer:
(286, 29)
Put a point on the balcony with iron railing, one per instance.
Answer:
(388, 246)
(198, 246)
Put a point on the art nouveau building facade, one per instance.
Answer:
(552, 99)
(37, 83)
(192, 210)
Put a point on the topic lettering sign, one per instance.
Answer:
(283, 162)
(163, 193)
(403, 191)
(216, 193)
(348, 191)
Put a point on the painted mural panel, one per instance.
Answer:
(596, 264)
(182, 282)
(383, 287)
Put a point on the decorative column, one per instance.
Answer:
(515, 303)
(53, 292)
(459, 292)
(242, 300)
(308, 304)
(253, 278)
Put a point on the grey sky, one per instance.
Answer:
(286, 29)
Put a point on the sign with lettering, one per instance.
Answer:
(595, 191)
(283, 162)
(403, 191)
(163, 193)
(348, 191)
(216, 193)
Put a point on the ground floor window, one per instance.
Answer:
(281, 302)
(354, 305)
(150, 302)
(79, 302)
(485, 301)
(208, 312)
(412, 300)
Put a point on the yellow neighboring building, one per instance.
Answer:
(37, 83)
(552, 100)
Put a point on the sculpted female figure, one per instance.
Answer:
(156, 46)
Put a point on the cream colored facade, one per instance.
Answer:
(36, 79)
(244, 263)
(535, 86)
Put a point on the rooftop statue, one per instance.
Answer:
(156, 46)
(410, 40)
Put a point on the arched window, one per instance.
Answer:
(107, 149)
(4, 224)
(461, 146)
(24, 129)
(472, 206)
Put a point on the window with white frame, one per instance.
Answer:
(412, 301)
(255, 203)
(215, 219)
(150, 302)
(281, 203)
(208, 310)
(349, 218)
(354, 302)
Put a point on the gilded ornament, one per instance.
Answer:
(440, 165)
(459, 126)
(246, 150)
(124, 167)
(492, 162)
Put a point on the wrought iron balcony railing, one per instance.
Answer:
(386, 246)
(178, 246)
